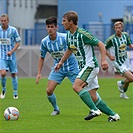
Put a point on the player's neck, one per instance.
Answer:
(52, 37)
(5, 27)
(73, 29)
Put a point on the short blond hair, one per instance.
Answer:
(117, 23)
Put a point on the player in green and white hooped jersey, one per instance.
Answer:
(116, 46)
(82, 43)
(9, 42)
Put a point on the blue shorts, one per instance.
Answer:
(60, 75)
(8, 65)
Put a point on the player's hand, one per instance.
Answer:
(112, 58)
(104, 65)
(39, 76)
(9, 53)
(58, 66)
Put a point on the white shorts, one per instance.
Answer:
(123, 68)
(89, 75)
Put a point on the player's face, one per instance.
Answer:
(118, 29)
(4, 22)
(51, 29)
(66, 23)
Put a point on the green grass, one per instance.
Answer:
(35, 109)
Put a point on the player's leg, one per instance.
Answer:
(113, 116)
(51, 96)
(85, 77)
(54, 79)
(100, 104)
(3, 68)
(15, 85)
(13, 71)
(125, 83)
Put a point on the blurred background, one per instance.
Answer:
(29, 16)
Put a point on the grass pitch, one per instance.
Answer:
(35, 109)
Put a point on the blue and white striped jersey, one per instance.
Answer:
(57, 49)
(8, 38)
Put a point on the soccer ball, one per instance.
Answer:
(11, 113)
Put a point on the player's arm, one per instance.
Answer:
(112, 58)
(104, 63)
(14, 49)
(40, 66)
(131, 46)
(63, 59)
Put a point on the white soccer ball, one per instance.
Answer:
(11, 113)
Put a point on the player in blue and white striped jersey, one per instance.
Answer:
(55, 44)
(9, 42)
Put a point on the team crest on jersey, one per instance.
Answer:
(74, 49)
(122, 47)
(9, 35)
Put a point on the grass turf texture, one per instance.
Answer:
(35, 109)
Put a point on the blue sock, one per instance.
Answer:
(52, 100)
(3, 83)
(15, 85)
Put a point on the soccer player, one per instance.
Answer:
(81, 43)
(9, 42)
(116, 46)
(55, 44)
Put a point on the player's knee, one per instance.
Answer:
(49, 92)
(3, 73)
(76, 88)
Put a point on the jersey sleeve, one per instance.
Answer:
(108, 43)
(129, 41)
(16, 36)
(43, 49)
(90, 39)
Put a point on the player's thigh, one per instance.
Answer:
(12, 66)
(93, 85)
(3, 64)
(56, 76)
(71, 76)
(87, 74)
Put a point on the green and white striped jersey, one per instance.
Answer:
(117, 46)
(82, 44)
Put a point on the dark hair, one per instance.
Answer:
(51, 20)
(71, 15)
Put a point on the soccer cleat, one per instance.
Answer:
(124, 96)
(115, 117)
(3, 94)
(120, 86)
(15, 96)
(55, 112)
(92, 114)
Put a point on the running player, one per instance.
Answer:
(81, 43)
(116, 46)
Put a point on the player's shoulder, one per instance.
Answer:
(124, 33)
(84, 32)
(12, 27)
(111, 37)
(59, 34)
(45, 39)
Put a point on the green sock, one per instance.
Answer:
(101, 105)
(122, 82)
(125, 89)
(86, 98)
